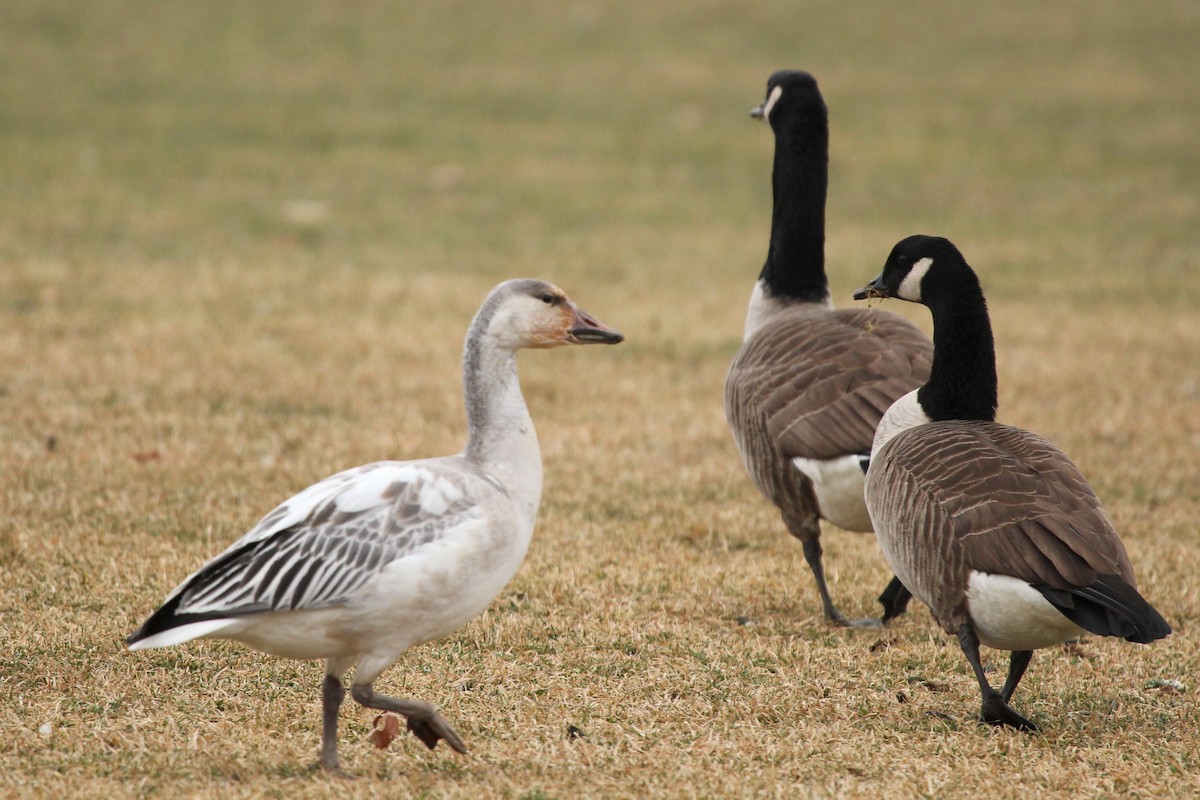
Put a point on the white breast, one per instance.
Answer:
(764, 308)
(903, 414)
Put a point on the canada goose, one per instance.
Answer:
(371, 561)
(810, 382)
(991, 526)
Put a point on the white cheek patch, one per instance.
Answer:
(910, 287)
(776, 93)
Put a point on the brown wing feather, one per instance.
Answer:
(822, 380)
(1015, 504)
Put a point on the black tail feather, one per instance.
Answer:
(1109, 607)
(162, 619)
(167, 615)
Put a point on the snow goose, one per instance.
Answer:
(810, 382)
(371, 561)
(991, 526)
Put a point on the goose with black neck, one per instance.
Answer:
(991, 526)
(810, 383)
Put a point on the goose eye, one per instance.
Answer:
(547, 298)
(902, 260)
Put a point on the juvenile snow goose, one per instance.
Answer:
(991, 526)
(810, 382)
(371, 561)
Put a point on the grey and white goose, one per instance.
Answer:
(810, 383)
(365, 564)
(991, 526)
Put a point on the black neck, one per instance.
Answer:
(962, 383)
(795, 268)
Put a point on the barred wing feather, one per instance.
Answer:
(317, 548)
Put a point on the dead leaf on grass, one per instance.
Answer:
(386, 727)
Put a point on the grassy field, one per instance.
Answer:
(239, 246)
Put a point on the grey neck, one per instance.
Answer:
(496, 410)
(501, 439)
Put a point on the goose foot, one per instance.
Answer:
(812, 554)
(995, 709)
(868, 622)
(430, 727)
(422, 719)
(997, 712)
(894, 600)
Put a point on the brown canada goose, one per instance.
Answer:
(989, 525)
(810, 382)
(361, 566)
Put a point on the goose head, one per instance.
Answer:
(915, 269)
(538, 314)
(791, 94)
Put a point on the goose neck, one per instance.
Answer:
(795, 266)
(962, 381)
(499, 429)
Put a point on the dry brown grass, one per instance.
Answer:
(181, 346)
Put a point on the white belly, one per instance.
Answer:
(838, 483)
(1009, 614)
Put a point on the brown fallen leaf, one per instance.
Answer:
(383, 734)
(147, 456)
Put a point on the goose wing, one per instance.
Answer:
(317, 548)
(1014, 503)
(823, 381)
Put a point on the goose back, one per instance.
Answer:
(814, 384)
(955, 497)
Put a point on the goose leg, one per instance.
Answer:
(994, 710)
(424, 722)
(332, 694)
(1017, 662)
(812, 554)
(894, 599)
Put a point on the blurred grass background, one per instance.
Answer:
(239, 245)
